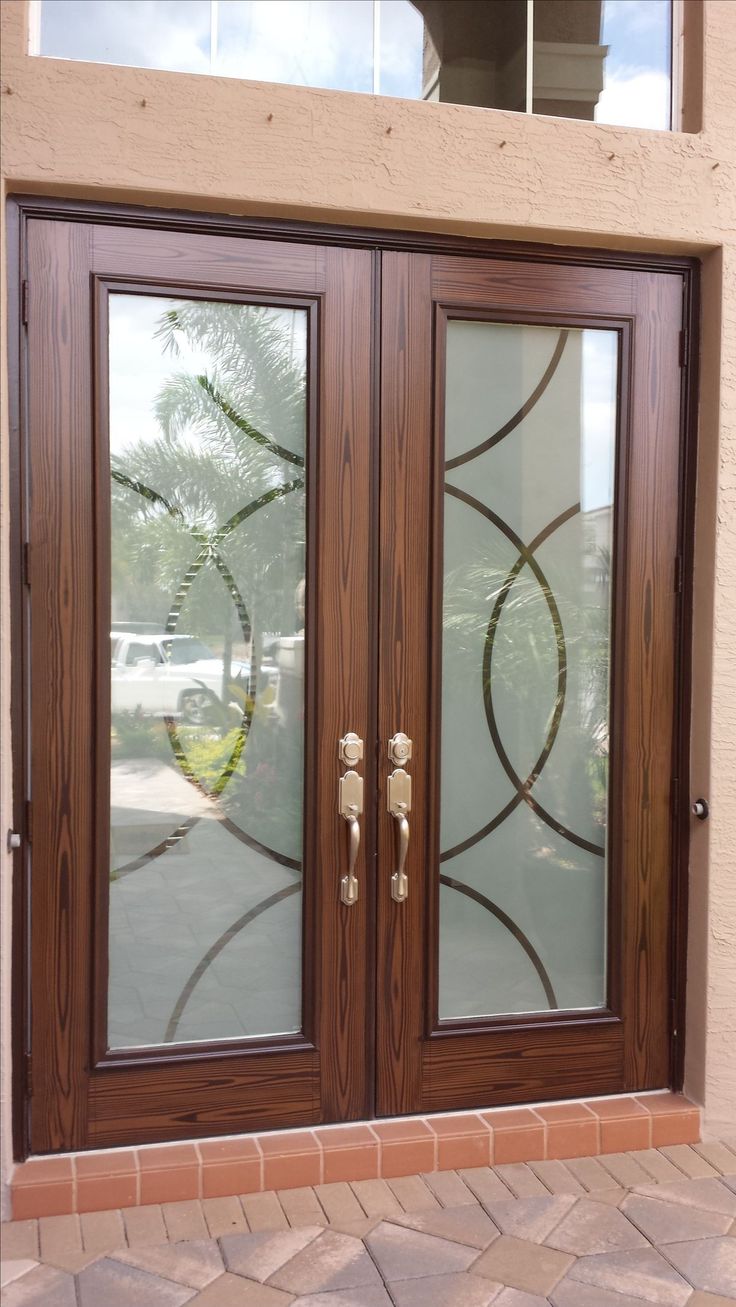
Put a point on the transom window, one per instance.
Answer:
(607, 61)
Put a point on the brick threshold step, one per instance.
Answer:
(384, 1149)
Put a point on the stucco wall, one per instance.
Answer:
(255, 148)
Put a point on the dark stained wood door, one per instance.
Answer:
(507, 464)
(193, 877)
(530, 463)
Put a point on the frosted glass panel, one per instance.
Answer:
(207, 450)
(528, 521)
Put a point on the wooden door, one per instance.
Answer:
(529, 530)
(201, 630)
(198, 488)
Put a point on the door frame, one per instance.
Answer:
(20, 209)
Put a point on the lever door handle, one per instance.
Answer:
(400, 880)
(350, 808)
(399, 804)
(349, 883)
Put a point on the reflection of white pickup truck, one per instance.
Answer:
(174, 674)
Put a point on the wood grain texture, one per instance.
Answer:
(82, 1099)
(60, 460)
(520, 286)
(77, 1103)
(507, 1061)
(149, 217)
(404, 645)
(684, 674)
(523, 1065)
(231, 262)
(185, 1100)
(649, 677)
(343, 617)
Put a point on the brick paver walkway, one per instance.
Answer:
(657, 1226)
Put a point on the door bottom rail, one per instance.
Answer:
(381, 1149)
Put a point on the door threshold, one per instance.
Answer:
(369, 1150)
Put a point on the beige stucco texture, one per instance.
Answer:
(179, 140)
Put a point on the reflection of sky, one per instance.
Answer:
(326, 43)
(139, 369)
(330, 43)
(637, 70)
(598, 399)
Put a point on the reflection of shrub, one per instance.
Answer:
(207, 754)
(206, 751)
(137, 735)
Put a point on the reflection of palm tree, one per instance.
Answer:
(231, 447)
(229, 437)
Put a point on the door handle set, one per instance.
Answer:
(398, 803)
(350, 807)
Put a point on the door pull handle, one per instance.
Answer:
(350, 807)
(400, 880)
(399, 805)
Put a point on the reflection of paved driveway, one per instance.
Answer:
(146, 790)
(168, 913)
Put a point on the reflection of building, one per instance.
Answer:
(478, 54)
(568, 59)
(474, 53)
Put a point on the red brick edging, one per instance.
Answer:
(213, 1168)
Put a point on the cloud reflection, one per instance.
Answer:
(350, 45)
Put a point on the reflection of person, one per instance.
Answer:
(300, 601)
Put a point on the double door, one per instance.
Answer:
(350, 636)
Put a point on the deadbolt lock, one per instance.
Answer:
(399, 749)
(350, 749)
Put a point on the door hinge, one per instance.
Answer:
(24, 303)
(678, 574)
(683, 347)
(28, 1073)
(27, 564)
(29, 821)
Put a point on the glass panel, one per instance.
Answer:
(207, 444)
(475, 53)
(142, 33)
(302, 42)
(401, 49)
(528, 518)
(607, 60)
(456, 50)
(602, 59)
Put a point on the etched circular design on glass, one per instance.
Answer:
(208, 530)
(530, 427)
